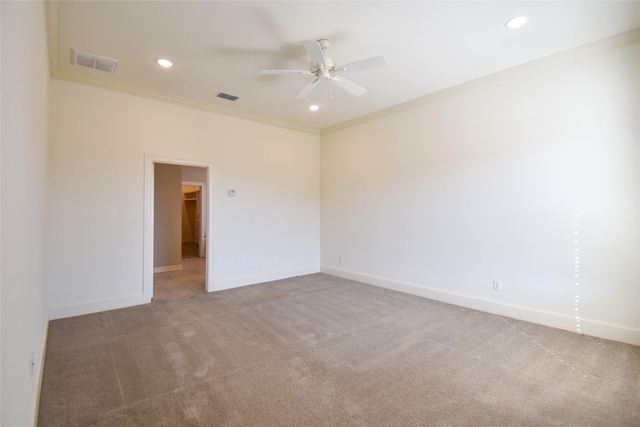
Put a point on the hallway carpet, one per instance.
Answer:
(317, 350)
(181, 283)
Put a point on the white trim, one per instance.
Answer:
(1, 227)
(262, 278)
(42, 358)
(52, 12)
(566, 322)
(78, 78)
(147, 245)
(52, 22)
(528, 67)
(96, 306)
(147, 273)
(131, 300)
(167, 268)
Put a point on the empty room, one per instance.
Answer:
(310, 213)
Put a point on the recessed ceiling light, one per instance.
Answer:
(314, 107)
(164, 63)
(517, 22)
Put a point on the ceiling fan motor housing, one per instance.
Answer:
(323, 68)
(324, 44)
(328, 62)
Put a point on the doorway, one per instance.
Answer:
(191, 270)
(193, 233)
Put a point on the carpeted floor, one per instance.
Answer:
(321, 351)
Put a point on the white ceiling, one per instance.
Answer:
(220, 46)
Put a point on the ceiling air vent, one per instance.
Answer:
(89, 60)
(227, 96)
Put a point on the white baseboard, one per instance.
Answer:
(137, 299)
(96, 306)
(41, 359)
(265, 277)
(589, 327)
(166, 268)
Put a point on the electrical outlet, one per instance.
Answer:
(250, 265)
(340, 259)
(497, 285)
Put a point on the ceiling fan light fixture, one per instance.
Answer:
(164, 63)
(323, 69)
(517, 22)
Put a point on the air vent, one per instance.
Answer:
(227, 96)
(89, 60)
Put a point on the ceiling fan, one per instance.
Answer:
(323, 68)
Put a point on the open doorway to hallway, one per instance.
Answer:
(179, 231)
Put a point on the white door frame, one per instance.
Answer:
(147, 274)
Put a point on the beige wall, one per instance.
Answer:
(193, 174)
(167, 222)
(23, 308)
(98, 142)
(483, 185)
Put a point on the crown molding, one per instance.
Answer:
(52, 25)
(52, 29)
(600, 46)
(51, 10)
(159, 96)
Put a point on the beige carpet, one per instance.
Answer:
(181, 283)
(321, 351)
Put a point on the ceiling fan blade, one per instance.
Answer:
(308, 88)
(315, 52)
(348, 85)
(270, 72)
(364, 64)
